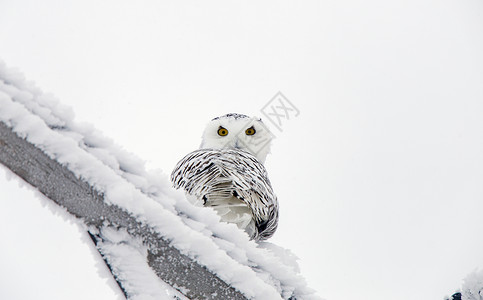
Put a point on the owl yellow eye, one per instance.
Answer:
(222, 131)
(250, 131)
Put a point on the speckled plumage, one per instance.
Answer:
(231, 179)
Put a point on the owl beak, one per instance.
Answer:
(237, 146)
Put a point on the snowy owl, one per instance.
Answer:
(227, 174)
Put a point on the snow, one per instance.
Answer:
(128, 260)
(473, 286)
(257, 272)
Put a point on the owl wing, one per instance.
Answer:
(211, 174)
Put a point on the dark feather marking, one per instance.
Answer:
(235, 172)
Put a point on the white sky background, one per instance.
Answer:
(379, 178)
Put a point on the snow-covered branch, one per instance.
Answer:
(156, 244)
(83, 201)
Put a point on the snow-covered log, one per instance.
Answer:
(83, 201)
(156, 244)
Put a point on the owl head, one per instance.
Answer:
(237, 131)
